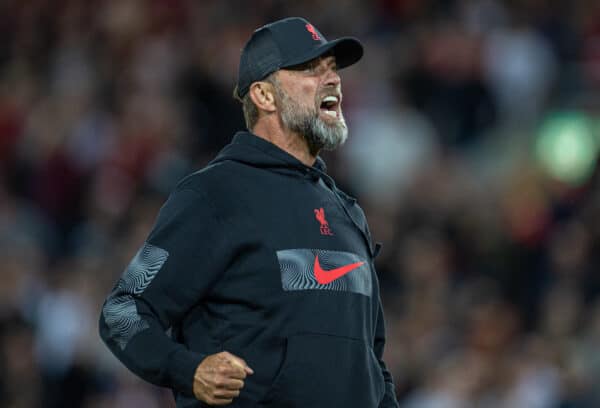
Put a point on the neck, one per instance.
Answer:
(288, 141)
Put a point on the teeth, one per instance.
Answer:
(333, 114)
(330, 99)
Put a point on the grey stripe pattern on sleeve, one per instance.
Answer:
(120, 311)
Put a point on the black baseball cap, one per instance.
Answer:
(288, 42)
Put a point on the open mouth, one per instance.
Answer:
(330, 106)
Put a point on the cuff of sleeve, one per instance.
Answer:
(182, 367)
(389, 400)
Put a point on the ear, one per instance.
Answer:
(263, 96)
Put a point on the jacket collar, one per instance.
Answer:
(250, 139)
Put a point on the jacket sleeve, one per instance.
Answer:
(176, 266)
(389, 399)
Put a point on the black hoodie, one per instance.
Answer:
(264, 257)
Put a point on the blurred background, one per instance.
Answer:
(473, 148)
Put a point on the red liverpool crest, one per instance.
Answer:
(311, 29)
(324, 225)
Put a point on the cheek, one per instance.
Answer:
(311, 92)
(306, 92)
(303, 91)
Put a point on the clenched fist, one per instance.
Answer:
(219, 378)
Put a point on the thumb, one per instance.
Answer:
(238, 362)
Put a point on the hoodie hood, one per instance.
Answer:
(255, 151)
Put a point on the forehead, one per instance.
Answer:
(308, 71)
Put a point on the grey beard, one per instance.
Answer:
(318, 134)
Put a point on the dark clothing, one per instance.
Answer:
(261, 256)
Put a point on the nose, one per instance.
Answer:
(332, 78)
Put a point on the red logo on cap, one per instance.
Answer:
(311, 29)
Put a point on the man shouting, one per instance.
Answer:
(258, 264)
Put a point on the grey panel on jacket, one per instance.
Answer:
(120, 311)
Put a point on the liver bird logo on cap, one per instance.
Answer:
(311, 29)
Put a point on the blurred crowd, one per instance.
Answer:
(485, 194)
